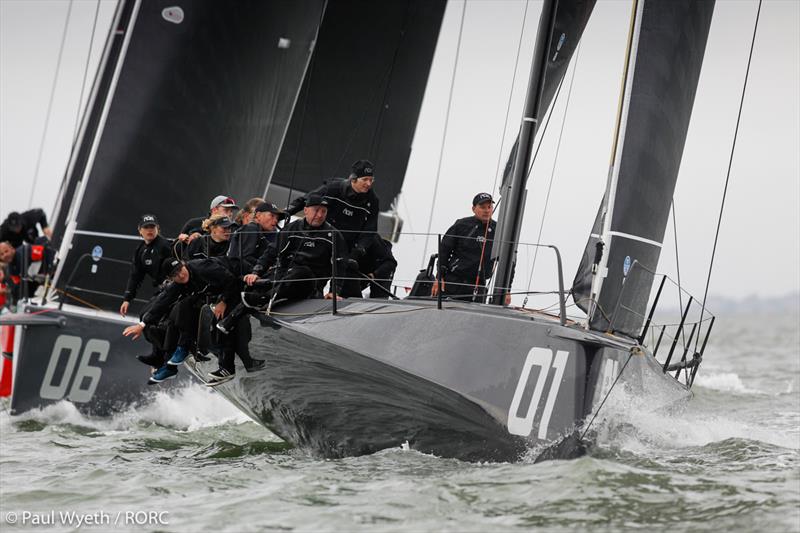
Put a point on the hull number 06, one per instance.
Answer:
(83, 376)
(543, 358)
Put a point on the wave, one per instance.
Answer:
(725, 382)
(188, 408)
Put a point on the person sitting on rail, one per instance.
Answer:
(353, 209)
(193, 228)
(245, 215)
(190, 284)
(215, 240)
(298, 266)
(251, 240)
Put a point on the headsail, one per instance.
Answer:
(198, 104)
(360, 98)
(669, 40)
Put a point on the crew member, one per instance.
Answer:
(147, 261)
(245, 215)
(251, 240)
(299, 264)
(19, 227)
(353, 210)
(215, 240)
(465, 253)
(220, 205)
(28, 264)
(190, 283)
(379, 265)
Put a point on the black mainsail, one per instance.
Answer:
(361, 97)
(666, 54)
(198, 103)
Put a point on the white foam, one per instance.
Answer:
(626, 422)
(725, 382)
(187, 409)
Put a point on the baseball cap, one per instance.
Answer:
(225, 222)
(171, 266)
(223, 201)
(482, 197)
(148, 221)
(316, 199)
(268, 207)
(362, 167)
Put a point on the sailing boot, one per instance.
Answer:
(154, 359)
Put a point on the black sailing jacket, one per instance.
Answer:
(206, 277)
(348, 211)
(461, 248)
(147, 260)
(302, 245)
(248, 244)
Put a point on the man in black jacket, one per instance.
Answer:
(19, 227)
(190, 283)
(299, 265)
(353, 209)
(465, 253)
(250, 241)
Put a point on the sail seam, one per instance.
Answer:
(109, 235)
(634, 238)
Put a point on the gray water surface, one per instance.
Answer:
(728, 460)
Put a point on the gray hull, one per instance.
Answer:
(81, 358)
(470, 381)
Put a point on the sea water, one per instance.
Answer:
(729, 460)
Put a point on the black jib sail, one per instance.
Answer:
(666, 53)
(197, 105)
(362, 95)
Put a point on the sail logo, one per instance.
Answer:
(172, 14)
(626, 265)
(542, 358)
(97, 253)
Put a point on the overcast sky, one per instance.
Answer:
(759, 248)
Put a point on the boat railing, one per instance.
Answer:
(675, 328)
(70, 288)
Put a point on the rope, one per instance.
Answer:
(50, 106)
(553, 170)
(444, 133)
(511, 94)
(730, 164)
(85, 74)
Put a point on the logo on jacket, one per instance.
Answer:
(148, 262)
(348, 212)
(310, 244)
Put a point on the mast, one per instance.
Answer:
(511, 217)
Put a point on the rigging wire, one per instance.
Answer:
(628, 360)
(444, 133)
(50, 105)
(553, 170)
(85, 74)
(511, 94)
(678, 266)
(730, 164)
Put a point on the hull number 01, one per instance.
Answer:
(542, 358)
(77, 369)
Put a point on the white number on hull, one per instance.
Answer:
(77, 393)
(543, 358)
